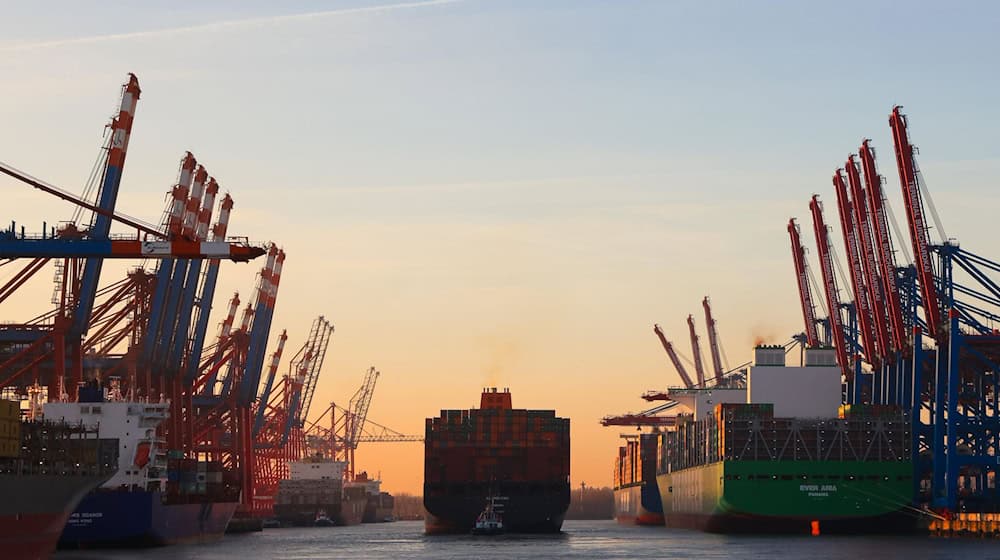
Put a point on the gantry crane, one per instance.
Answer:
(871, 273)
(802, 281)
(699, 368)
(833, 298)
(713, 341)
(350, 426)
(80, 253)
(886, 261)
(949, 388)
(672, 354)
(862, 305)
(280, 437)
(909, 180)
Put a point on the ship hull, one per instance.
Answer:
(125, 519)
(379, 508)
(522, 512)
(35, 510)
(639, 504)
(352, 511)
(31, 536)
(343, 513)
(789, 497)
(377, 514)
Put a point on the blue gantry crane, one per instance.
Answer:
(928, 340)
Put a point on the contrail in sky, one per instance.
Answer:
(219, 25)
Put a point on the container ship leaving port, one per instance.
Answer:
(785, 461)
(517, 457)
(380, 505)
(315, 492)
(637, 498)
(46, 468)
(157, 497)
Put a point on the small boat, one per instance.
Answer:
(489, 522)
(322, 520)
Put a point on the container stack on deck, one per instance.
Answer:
(637, 499)
(519, 456)
(10, 429)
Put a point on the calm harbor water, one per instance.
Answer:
(580, 539)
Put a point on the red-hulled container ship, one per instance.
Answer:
(518, 458)
(46, 468)
(637, 497)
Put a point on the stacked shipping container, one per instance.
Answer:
(490, 444)
(637, 499)
(751, 432)
(10, 429)
(191, 480)
(636, 460)
(63, 449)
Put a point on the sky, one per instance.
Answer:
(504, 192)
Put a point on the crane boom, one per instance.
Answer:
(830, 285)
(320, 332)
(359, 406)
(915, 219)
(699, 368)
(100, 229)
(862, 304)
(645, 418)
(207, 293)
(15, 247)
(866, 250)
(76, 200)
(673, 356)
(886, 255)
(713, 340)
(802, 279)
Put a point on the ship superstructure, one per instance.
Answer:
(154, 498)
(142, 457)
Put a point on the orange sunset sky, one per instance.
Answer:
(484, 193)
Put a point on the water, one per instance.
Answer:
(405, 540)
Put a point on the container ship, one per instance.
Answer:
(790, 460)
(380, 505)
(46, 468)
(636, 495)
(157, 497)
(315, 491)
(517, 457)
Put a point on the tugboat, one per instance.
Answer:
(489, 522)
(322, 520)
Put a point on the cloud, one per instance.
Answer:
(219, 25)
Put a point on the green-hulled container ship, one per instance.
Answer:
(742, 469)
